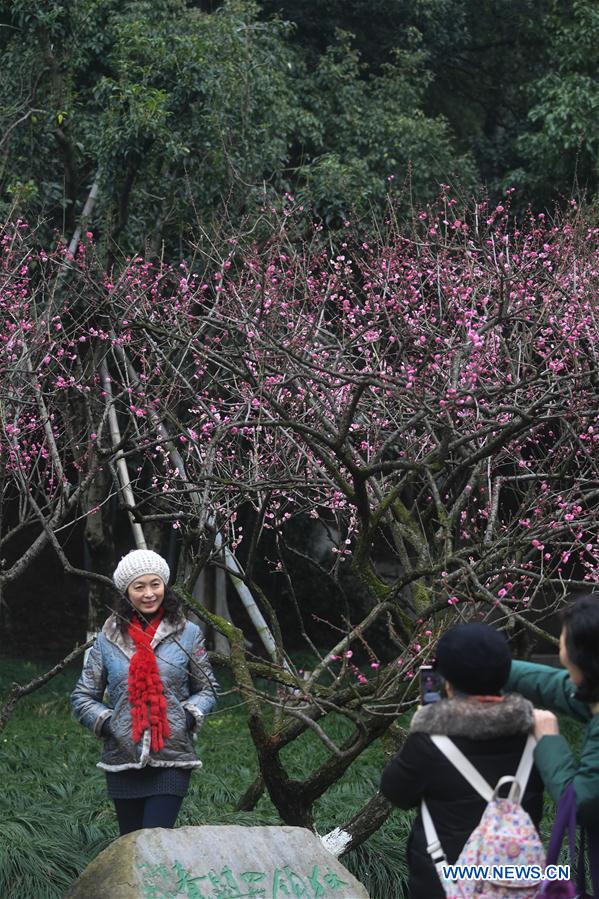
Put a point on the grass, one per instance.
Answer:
(55, 816)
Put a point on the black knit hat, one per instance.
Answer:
(474, 658)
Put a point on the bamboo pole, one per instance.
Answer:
(120, 461)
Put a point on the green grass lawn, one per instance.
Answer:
(55, 816)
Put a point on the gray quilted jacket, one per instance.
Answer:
(188, 683)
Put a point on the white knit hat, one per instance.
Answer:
(137, 563)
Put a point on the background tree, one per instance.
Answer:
(516, 81)
(175, 110)
(428, 396)
(563, 133)
(185, 115)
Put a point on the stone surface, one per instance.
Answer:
(213, 862)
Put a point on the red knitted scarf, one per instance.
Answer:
(146, 695)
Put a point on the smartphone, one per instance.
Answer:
(431, 685)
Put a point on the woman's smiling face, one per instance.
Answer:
(146, 593)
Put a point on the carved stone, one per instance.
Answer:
(212, 862)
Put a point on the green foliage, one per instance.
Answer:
(53, 816)
(373, 132)
(177, 109)
(515, 81)
(379, 27)
(194, 112)
(189, 115)
(202, 100)
(564, 138)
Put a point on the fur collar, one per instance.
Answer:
(112, 632)
(479, 720)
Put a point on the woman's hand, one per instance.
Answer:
(106, 729)
(544, 723)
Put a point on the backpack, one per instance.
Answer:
(504, 836)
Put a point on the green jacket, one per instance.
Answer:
(551, 688)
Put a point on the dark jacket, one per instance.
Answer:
(551, 688)
(187, 680)
(492, 736)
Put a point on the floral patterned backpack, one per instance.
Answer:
(505, 835)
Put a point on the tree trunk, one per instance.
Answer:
(221, 607)
(360, 827)
(249, 800)
(286, 794)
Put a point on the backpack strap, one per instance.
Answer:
(476, 780)
(464, 766)
(523, 770)
(433, 845)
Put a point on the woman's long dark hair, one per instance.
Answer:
(124, 609)
(581, 621)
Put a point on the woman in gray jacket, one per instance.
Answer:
(159, 686)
